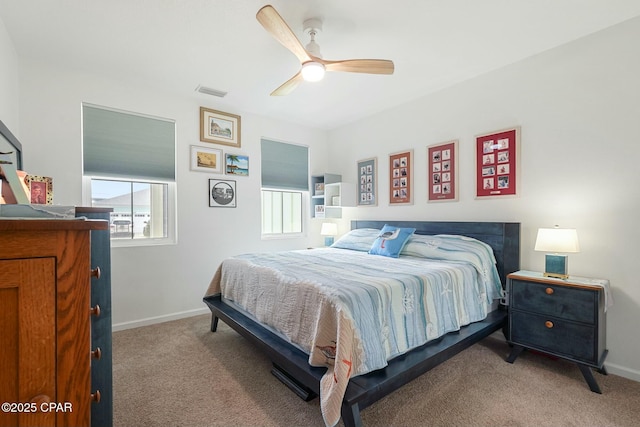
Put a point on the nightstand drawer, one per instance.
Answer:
(563, 338)
(565, 302)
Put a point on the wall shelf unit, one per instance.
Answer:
(329, 195)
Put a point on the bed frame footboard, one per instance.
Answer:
(291, 365)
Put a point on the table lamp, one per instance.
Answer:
(557, 240)
(329, 229)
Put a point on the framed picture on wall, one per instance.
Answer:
(219, 127)
(237, 164)
(222, 193)
(401, 178)
(367, 182)
(442, 172)
(206, 159)
(497, 163)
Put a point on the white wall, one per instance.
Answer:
(165, 281)
(8, 81)
(578, 107)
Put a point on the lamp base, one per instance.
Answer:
(328, 241)
(555, 266)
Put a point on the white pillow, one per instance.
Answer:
(360, 239)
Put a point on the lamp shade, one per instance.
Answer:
(559, 240)
(329, 229)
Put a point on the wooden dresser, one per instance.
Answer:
(45, 321)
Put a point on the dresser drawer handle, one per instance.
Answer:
(40, 399)
(96, 272)
(95, 397)
(548, 324)
(97, 353)
(95, 310)
(548, 291)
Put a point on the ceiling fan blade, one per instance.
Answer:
(287, 87)
(369, 66)
(278, 28)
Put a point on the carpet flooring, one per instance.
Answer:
(180, 374)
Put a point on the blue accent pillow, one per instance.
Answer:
(391, 240)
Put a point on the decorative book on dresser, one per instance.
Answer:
(561, 317)
(46, 316)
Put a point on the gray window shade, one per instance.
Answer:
(284, 166)
(122, 145)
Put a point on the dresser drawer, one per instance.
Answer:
(564, 302)
(563, 338)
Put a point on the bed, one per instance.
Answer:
(310, 367)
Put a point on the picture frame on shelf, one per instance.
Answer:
(318, 189)
(367, 173)
(40, 189)
(222, 193)
(319, 211)
(218, 127)
(204, 159)
(497, 163)
(401, 178)
(442, 172)
(236, 164)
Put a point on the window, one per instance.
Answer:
(285, 178)
(139, 208)
(281, 212)
(129, 166)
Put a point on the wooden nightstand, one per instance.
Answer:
(563, 318)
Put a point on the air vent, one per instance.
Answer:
(209, 91)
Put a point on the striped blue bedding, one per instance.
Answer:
(395, 304)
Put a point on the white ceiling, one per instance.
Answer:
(176, 45)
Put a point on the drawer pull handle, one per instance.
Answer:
(548, 291)
(96, 272)
(95, 397)
(40, 399)
(97, 353)
(548, 324)
(95, 310)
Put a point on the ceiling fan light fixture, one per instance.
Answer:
(312, 71)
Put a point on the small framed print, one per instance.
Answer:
(368, 182)
(219, 127)
(206, 159)
(40, 189)
(237, 165)
(496, 163)
(401, 178)
(442, 172)
(222, 193)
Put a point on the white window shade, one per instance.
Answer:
(119, 144)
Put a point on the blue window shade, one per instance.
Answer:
(124, 145)
(284, 166)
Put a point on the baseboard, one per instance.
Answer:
(159, 319)
(622, 371)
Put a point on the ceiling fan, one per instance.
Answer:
(313, 66)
